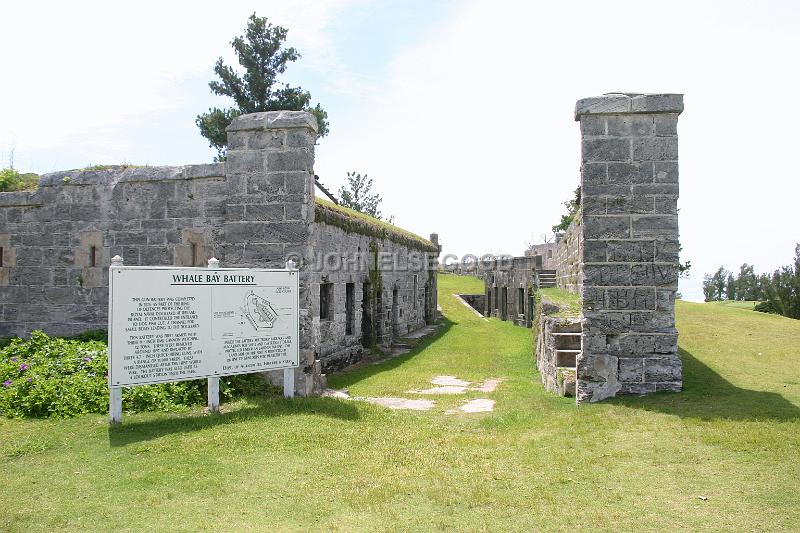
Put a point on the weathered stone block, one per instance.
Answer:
(630, 173)
(666, 205)
(273, 183)
(637, 388)
(667, 343)
(662, 369)
(606, 150)
(629, 125)
(593, 125)
(631, 370)
(652, 321)
(665, 299)
(244, 162)
(657, 103)
(666, 124)
(606, 227)
(273, 119)
(605, 189)
(261, 212)
(595, 251)
(667, 251)
(593, 205)
(656, 188)
(269, 139)
(594, 343)
(630, 251)
(666, 172)
(655, 149)
(157, 255)
(654, 274)
(597, 367)
(630, 298)
(601, 275)
(654, 226)
(593, 298)
(630, 204)
(290, 160)
(593, 173)
(609, 103)
(266, 232)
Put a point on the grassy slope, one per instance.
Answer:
(538, 462)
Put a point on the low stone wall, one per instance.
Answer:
(58, 240)
(382, 290)
(558, 340)
(476, 301)
(509, 289)
(569, 251)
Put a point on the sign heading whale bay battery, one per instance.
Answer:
(173, 324)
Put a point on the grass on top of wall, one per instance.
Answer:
(352, 220)
(569, 302)
(719, 456)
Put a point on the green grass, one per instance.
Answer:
(739, 304)
(352, 220)
(569, 302)
(538, 462)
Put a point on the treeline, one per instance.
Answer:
(778, 292)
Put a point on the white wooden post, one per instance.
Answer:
(213, 383)
(288, 373)
(114, 393)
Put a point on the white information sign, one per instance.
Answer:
(173, 324)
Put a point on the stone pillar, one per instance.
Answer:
(629, 193)
(269, 210)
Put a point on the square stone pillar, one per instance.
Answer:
(629, 193)
(269, 210)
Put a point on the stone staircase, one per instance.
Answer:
(547, 278)
(557, 351)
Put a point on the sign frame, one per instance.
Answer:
(115, 391)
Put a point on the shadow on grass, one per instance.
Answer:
(138, 431)
(708, 396)
(349, 377)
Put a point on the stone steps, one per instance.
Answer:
(547, 278)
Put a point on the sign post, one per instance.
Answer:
(173, 324)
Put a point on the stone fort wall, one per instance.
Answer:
(255, 210)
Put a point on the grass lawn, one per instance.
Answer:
(537, 463)
(569, 302)
(739, 304)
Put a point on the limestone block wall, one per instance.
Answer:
(629, 183)
(568, 254)
(58, 240)
(547, 251)
(392, 284)
(255, 210)
(509, 287)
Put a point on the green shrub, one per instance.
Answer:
(11, 180)
(766, 307)
(53, 377)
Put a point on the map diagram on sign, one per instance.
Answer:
(258, 312)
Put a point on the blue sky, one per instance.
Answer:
(460, 111)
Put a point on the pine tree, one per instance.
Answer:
(262, 55)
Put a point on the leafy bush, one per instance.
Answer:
(54, 377)
(11, 180)
(765, 307)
